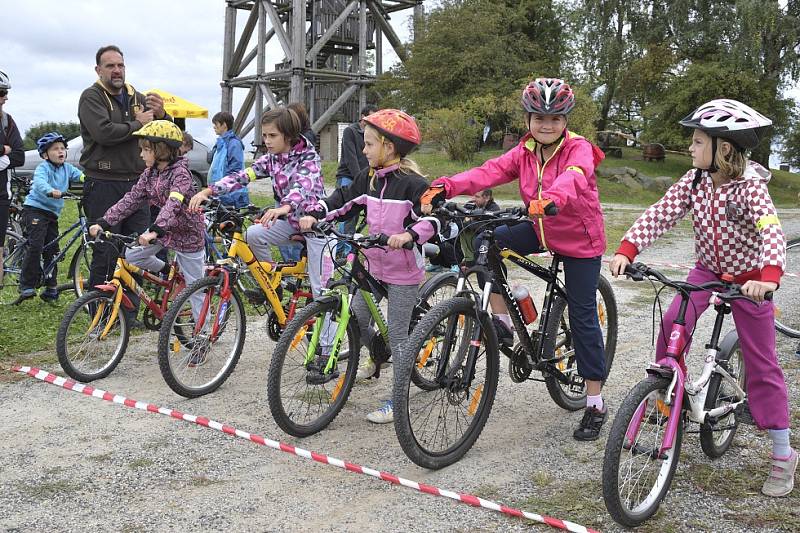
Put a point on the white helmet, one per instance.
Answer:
(4, 81)
(730, 120)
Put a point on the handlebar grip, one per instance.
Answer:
(768, 295)
(551, 210)
(633, 272)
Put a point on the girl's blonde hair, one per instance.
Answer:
(406, 165)
(733, 164)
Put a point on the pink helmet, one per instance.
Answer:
(548, 96)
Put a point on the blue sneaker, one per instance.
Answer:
(50, 294)
(433, 268)
(455, 268)
(24, 294)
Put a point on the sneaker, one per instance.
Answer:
(383, 415)
(781, 478)
(24, 294)
(50, 294)
(434, 268)
(366, 369)
(503, 332)
(592, 421)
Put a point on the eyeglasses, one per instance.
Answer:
(3, 92)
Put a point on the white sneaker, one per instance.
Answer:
(366, 369)
(384, 415)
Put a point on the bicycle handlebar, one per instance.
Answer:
(639, 271)
(366, 241)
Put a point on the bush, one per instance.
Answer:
(455, 130)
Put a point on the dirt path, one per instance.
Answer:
(72, 463)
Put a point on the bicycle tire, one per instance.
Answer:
(13, 256)
(621, 462)
(433, 291)
(790, 328)
(715, 442)
(80, 269)
(295, 397)
(199, 372)
(427, 448)
(82, 314)
(557, 328)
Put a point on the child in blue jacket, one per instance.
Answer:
(40, 214)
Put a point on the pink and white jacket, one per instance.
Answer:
(736, 226)
(567, 178)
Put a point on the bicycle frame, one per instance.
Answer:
(81, 230)
(673, 365)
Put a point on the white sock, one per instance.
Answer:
(595, 401)
(780, 443)
(505, 319)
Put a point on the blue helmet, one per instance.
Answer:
(47, 140)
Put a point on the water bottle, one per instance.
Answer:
(525, 303)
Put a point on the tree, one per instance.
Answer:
(69, 130)
(471, 48)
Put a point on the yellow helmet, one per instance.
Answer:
(161, 131)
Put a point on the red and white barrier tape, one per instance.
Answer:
(300, 452)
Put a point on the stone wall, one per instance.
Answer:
(634, 179)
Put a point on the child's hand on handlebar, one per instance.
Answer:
(541, 208)
(195, 204)
(55, 193)
(757, 289)
(398, 240)
(618, 264)
(273, 214)
(431, 198)
(94, 229)
(306, 222)
(146, 238)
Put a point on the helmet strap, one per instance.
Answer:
(713, 166)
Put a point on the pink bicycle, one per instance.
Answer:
(645, 440)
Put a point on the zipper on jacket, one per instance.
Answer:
(541, 177)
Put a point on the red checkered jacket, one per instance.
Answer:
(736, 226)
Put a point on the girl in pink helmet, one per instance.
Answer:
(553, 166)
(737, 232)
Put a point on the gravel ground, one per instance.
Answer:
(73, 463)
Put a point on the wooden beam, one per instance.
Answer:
(334, 108)
(330, 31)
(277, 25)
(233, 68)
(377, 16)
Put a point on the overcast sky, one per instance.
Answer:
(48, 50)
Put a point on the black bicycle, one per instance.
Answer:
(457, 351)
(15, 249)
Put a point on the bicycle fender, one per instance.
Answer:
(108, 287)
(660, 371)
(727, 345)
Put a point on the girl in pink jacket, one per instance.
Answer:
(737, 232)
(553, 166)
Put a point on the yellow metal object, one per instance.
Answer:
(114, 313)
(562, 363)
(337, 388)
(176, 346)
(300, 336)
(476, 399)
(97, 315)
(663, 408)
(426, 352)
(601, 313)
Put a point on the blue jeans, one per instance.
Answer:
(581, 277)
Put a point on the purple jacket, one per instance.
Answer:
(296, 179)
(391, 199)
(567, 178)
(169, 189)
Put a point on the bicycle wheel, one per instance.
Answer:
(13, 256)
(303, 401)
(196, 359)
(559, 345)
(636, 476)
(716, 437)
(437, 427)
(85, 349)
(79, 269)
(787, 312)
(435, 290)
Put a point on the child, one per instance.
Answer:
(165, 183)
(737, 232)
(295, 169)
(40, 214)
(554, 166)
(389, 190)
(227, 157)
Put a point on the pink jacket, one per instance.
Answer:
(736, 226)
(567, 178)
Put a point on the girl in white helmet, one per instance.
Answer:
(737, 232)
